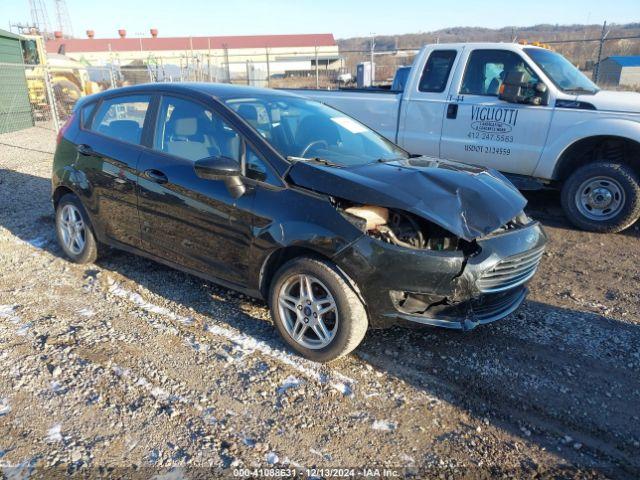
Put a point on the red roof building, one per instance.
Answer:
(164, 44)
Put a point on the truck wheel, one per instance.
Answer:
(602, 197)
(315, 309)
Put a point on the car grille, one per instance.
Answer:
(510, 272)
(488, 307)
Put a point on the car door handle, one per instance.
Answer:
(86, 150)
(452, 110)
(156, 176)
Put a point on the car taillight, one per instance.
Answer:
(64, 128)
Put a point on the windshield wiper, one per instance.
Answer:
(324, 161)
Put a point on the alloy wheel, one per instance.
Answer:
(308, 311)
(72, 229)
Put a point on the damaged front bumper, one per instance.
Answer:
(445, 288)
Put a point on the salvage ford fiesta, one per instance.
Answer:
(289, 200)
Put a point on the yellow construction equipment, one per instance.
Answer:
(69, 79)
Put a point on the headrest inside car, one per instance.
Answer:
(185, 126)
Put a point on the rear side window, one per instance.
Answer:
(122, 118)
(437, 70)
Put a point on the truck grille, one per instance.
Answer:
(510, 272)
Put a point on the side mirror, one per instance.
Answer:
(515, 89)
(217, 168)
(222, 168)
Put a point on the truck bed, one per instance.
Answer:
(380, 107)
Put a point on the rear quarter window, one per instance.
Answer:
(122, 118)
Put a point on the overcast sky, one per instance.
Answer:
(343, 18)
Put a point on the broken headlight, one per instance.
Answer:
(400, 228)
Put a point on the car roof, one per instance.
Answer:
(222, 91)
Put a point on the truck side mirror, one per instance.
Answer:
(515, 89)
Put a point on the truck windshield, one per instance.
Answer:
(561, 71)
(297, 127)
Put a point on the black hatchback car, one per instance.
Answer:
(289, 200)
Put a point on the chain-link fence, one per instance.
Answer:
(43, 95)
(29, 98)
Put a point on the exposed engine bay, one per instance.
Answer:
(403, 229)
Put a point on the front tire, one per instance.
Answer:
(74, 232)
(602, 197)
(315, 309)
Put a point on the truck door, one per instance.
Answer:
(424, 103)
(481, 129)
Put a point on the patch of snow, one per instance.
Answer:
(5, 408)
(289, 382)
(86, 312)
(247, 343)
(325, 456)
(343, 388)
(21, 471)
(9, 312)
(197, 346)
(249, 442)
(384, 425)
(54, 434)
(272, 458)
(56, 387)
(23, 329)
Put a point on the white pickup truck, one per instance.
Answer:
(523, 110)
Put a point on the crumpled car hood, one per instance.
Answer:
(468, 201)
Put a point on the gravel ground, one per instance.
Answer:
(129, 364)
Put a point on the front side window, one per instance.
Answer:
(122, 118)
(257, 168)
(487, 69)
(437, 70)
(561, 71)
(298, 127)
(192, 131)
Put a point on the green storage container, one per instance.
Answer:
(15, 109)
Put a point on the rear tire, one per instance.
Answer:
(75, 235)
(298, 316)
(602, 197)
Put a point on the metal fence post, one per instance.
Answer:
(226, 60)
(603, 38)
(266, 51)
(52, 99)
(317, 72)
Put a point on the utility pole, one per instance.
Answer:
(373, 64)
(603, 38)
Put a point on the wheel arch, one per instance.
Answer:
(279, 257)
(611, 148)
(60, 192)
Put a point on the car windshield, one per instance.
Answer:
(301, 128)
(561, 71)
